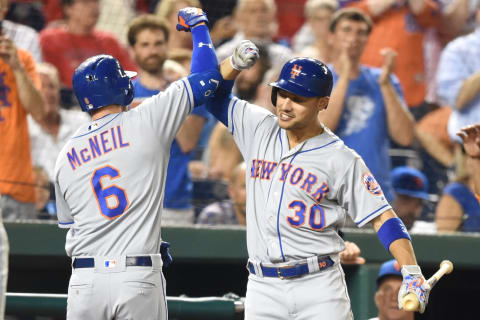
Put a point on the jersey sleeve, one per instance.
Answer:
(166, 111)
(65, 219)
(244, 121)
(360, 194)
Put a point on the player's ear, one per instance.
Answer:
(323, 103)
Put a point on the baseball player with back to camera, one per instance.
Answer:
(109, 184)
(301, 182)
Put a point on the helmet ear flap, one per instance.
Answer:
(274, 96)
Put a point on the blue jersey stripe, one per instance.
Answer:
(65, 223)
(85, 134)
(283, 187)
(358, 223)
(188, 96)
(231, 116)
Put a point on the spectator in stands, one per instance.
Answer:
(233, 210)
(224, 155)
(458, 208)
(366, 105)
(167, 10)
(318, 14)
(256, 22)
(431, 132)
(19, 96)
(148, 39)
(471, 141)
(49, 134)
(66, 46)
(400, 25)
(23, 36)
(411, 191)
(115, 15)
(458, 80)
(389, 281)
(248, 81)
(42, 191)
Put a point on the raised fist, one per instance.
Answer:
(189, 17)
(245, 55)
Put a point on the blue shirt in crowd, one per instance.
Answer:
(469, 203)
(459, 60)
(363, 124)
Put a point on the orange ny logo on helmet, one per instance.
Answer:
(295, 71)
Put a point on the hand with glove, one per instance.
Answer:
(414, 282)
(190, 17)
(165, 253)
(244, 56)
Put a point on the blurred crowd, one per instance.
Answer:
(406, 81)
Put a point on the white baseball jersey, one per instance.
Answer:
(298, 198)
(109, 178)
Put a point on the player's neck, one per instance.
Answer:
(102, 112)
(297, 136)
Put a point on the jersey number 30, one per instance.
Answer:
(109, 208)
(316, 216)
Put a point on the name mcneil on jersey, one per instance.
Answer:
(97, 145)
(306, 181)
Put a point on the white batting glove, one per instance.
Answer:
(244, 56)
(414, 282)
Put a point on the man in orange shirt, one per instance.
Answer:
(400, 25)
(18, 96)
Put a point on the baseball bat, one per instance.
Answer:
(410, 301)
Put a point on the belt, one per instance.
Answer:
(293, 271)
(143, 261)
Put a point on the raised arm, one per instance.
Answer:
(401, 125)
(30, 97)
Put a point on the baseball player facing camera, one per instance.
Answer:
(301, 183)
(109, 184)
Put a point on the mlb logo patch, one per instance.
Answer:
(110, 263)
(371, 184)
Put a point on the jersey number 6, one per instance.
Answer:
(316, 217)
(102, 194)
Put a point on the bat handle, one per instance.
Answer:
(410, 302)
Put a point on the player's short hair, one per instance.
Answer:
(146, 21)
(166, 7)
(313, 5)
(50, 70)
(351, 14)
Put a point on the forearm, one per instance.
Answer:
(400, 122)
(468, 91)
(189, 133)
(203, 55)
(435, 148)
(29, 95)
(227, 71)
(401, 249)
(378, 7)
(476, 175)
(331, 116)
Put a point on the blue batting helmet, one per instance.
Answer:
(306, 77)
(100, 81)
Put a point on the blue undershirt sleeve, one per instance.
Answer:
(203, 56)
